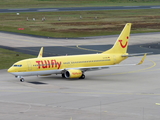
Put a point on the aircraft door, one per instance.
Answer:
(29, 65)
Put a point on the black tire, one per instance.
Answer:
(63, 76)
(82, 77)
(22, 79)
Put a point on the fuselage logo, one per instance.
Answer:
(48, 64)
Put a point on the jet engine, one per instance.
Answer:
(73, 73)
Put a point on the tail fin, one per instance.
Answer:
(121, 45)
(40, 53)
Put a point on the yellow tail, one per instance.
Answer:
(121, 45)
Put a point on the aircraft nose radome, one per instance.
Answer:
(10, 70)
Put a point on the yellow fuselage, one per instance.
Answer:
(62, 62)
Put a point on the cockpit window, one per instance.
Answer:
(17, 65)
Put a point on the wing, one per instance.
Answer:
(107, 66)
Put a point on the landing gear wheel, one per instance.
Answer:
(82, 77)
(22, 79)
(63, 76)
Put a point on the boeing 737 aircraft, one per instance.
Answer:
(74, 66)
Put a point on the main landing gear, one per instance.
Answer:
(63, 76)
(82, 77)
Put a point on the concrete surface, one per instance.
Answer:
(118, 93)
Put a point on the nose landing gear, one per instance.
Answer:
(22, 79)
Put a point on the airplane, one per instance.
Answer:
(74, 66)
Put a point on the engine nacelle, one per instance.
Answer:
(73, 73)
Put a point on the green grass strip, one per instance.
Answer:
(8, 58)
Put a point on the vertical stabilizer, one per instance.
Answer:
(121, 45)
(40, 53)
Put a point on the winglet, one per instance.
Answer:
(40, 53)
(142, 60)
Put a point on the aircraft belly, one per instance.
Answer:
(37, 73)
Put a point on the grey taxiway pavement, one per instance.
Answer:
(53, 46)
(118, 93)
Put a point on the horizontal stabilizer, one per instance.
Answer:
(137, 54)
